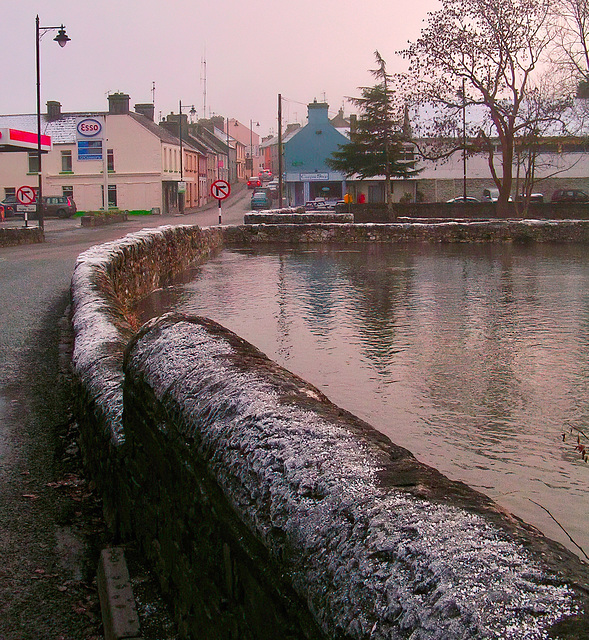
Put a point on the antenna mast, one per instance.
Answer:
(203, 80)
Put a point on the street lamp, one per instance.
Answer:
(62, 39)
(192, 113)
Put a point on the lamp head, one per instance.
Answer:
(61, 37)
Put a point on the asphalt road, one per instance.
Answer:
(50, 519)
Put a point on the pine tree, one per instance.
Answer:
(375, 146)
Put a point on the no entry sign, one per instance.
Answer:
(26, 195)
(220, 189)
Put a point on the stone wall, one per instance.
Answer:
(11, 237)
(107, 280)
(474, 231)
(267, 511)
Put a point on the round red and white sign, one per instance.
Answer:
(26, 195)
(220, 189)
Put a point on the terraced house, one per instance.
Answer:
(131, 159)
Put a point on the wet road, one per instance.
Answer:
(46, 589)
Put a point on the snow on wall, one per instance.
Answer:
(372, 561)
(106, 278)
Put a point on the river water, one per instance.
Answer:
(473, 357)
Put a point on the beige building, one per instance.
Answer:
(133, 159)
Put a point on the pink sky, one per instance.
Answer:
(254, 50)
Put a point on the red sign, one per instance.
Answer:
(220, 189)
(14, 139)
(26, 195)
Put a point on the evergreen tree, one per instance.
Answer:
(375, 146)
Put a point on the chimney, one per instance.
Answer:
(219, 122)
(146, 109)
(318, 113)
(118, 103)
(53, 110)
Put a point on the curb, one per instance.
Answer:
(119, 613)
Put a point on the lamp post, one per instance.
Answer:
(463, 142)
(181, 193)
(62, 39)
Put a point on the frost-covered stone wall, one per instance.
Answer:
(272, 231)
(107, 279)
(267, 511)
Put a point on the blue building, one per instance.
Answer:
(307, 175)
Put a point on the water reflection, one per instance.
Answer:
(472, 357)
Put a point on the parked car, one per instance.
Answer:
(468, 199)
(60, 206)
(265, 175)
(254, 182)
(534, 197)
(317, 204)
(8, 206)
(265, 190)
(260, 200)
(570, 195)
(492, 195)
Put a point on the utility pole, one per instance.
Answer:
(280, 151)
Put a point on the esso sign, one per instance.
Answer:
(89, 127)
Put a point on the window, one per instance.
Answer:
(407, 153)
(67, 191)
(112, 195)
(66, 161)
(33, 162)
(110, 159)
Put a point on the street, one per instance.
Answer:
(48, 515)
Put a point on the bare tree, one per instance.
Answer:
(569, 51)
(491, 48)
(544, 118)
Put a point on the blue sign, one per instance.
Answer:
(89, 127)
(89, 149)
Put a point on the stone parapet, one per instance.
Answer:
(11, 237)
(266, 510)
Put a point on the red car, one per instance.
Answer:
(252, 183)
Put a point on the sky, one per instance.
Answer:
(252, 51)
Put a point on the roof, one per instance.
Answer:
(285, 138)
(61, 130)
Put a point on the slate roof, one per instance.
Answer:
(63, 129)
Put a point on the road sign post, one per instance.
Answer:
(220, 189)
(27, 196)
